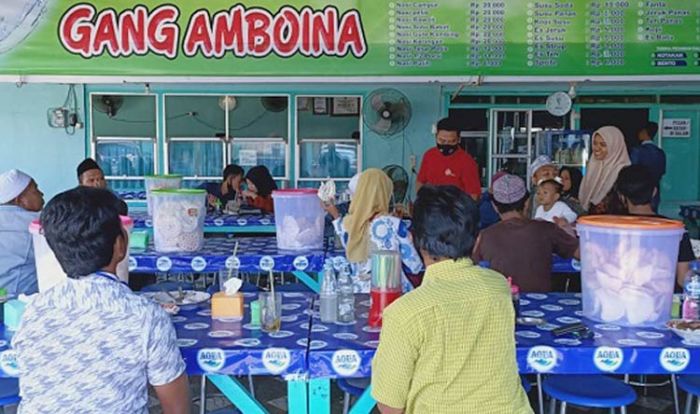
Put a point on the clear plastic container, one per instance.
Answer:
(160, 182)
(49, 272)
(178, 220)
(628, 268)
(299, 219)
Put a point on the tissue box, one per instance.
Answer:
(224, 306)
(14, 309)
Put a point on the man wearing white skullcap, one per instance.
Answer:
(20, 203)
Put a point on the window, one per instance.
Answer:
(329, 139)
(207, 132)
(124, 140)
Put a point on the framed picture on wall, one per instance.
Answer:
(345, 106)
(320, 106)
(304, 104)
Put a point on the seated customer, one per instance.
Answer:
(551, 207)
(89, 344)
(219, 194)
(260, 187)
(20, 203)
(636, 187)
(369, 225)
(448, 346)
(90, 175)
(519, 247)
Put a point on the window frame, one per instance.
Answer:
(228, 140)
(300, 140)
(97, 139)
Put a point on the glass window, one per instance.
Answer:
(125, 162)
(328, 159)
(329, 135)
(131, 116)
(259, 117)
(188, 116)
(272, 155)
(196, 158)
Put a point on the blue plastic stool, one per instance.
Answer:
(9, 391)
(351, 389)
(167, 286)
(691, 385)
(595, 391)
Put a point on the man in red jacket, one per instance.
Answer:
(448, 163)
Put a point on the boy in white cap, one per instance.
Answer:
(20, 203)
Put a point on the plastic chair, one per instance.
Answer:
(352, 387)
(9, 391)
(691, 385)
(594, 391)
(167, 286)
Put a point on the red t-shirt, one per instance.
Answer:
(458, 169)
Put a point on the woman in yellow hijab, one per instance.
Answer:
(369, 226)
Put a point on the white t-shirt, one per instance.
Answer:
(559, 209)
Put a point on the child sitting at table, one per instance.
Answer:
(369, 225)
(550, 204)
(260, 187)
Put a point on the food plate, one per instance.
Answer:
(686, 329)
(186, 299)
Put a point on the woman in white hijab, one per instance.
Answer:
(609, 157)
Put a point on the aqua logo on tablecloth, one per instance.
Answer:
(267, 263)
(608, 359)
(198, 264)
(242, 222)
(218, 222)
(149, 223)
(276, 360)
(576, 265)
(211, 359)
(542, 358)
(133, 264)
(346, 362)
(301, 263)
(233, 262)
(8, 363)
(164, 264)
(674, 359)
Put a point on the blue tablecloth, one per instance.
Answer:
(212, 220)
(347, 351)
(691, 212)
(231, 348)
(238, 348)
(255, 254)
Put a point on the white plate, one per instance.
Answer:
(192, 297)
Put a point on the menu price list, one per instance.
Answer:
(417, 36)
(485, 28)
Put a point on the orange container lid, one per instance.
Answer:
(631, 222)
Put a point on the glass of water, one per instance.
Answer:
(270, 311)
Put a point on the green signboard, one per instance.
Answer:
(349, 38)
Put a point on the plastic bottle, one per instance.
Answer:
(329, 295)
(691, 293)
(346, 297)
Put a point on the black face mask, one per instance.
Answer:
(447, 150)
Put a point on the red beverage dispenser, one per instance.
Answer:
(386, 284)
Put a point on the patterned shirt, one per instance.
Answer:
(91, 345)
(449, 346)
(386, 233)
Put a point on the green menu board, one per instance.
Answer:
(350, 38)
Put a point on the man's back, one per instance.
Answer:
(449, 347)
(522, 249)
(650, 156)
(17, 268)
(90, 345)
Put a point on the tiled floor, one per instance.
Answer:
(272, 392)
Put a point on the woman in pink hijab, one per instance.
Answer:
(609, 157)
